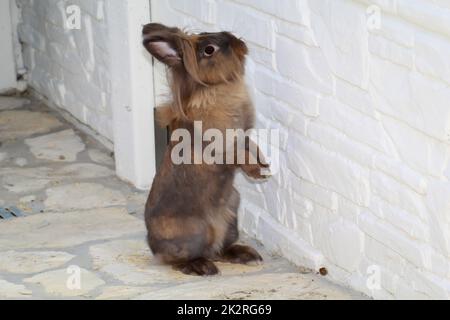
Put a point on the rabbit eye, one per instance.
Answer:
(210, 50)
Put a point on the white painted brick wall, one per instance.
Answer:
(69, 67)
(365, 177)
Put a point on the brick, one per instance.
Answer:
(387, 235)
(404, 221)
(438, 196)
(401, 172)
(290, 10)
(94, 8)
(347, 209)
(355, 125)
(32, 37)
(345, 178)
(393, 94)
(309, 68)
(344, 39)
(383, 255)
(262, 56)
(439, 265)
(203, 10)
(396, 30)
(398, 194)
(342, 243)
(314, 193)
(298, 33)
(303, 207)
(384, 5)
(355, 97)
(429, 16)
(298, 97)
(69, 66)
(431, 102)
(338, 142)
(391, 51)
(428, 284)
(433, 155)
(405, 291)
(247, 24)
(278, 240)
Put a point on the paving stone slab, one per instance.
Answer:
(9, 103)
(62, 146)
(65, 282)
(83, 171)
(27, 199)
(9, 290)
(32, 262)
(138, 198)
(26, 180)
(19, 124)
(20, 162)
(122, 292)
(100, 157)
(82, 196)
(131, 262)
(61, 230)
(263, 286)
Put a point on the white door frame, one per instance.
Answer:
(132, 92)
(8, 80)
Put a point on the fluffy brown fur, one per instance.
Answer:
(191, 213)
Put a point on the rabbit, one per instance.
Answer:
(191, 212)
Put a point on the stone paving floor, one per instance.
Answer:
(83, 235)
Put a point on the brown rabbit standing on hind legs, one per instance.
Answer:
(191, 212)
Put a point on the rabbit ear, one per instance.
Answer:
(172, 47)
(239, 47)
(162, 50)
(163, 43)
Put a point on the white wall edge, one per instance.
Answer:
(132, 92)
(7, 62)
